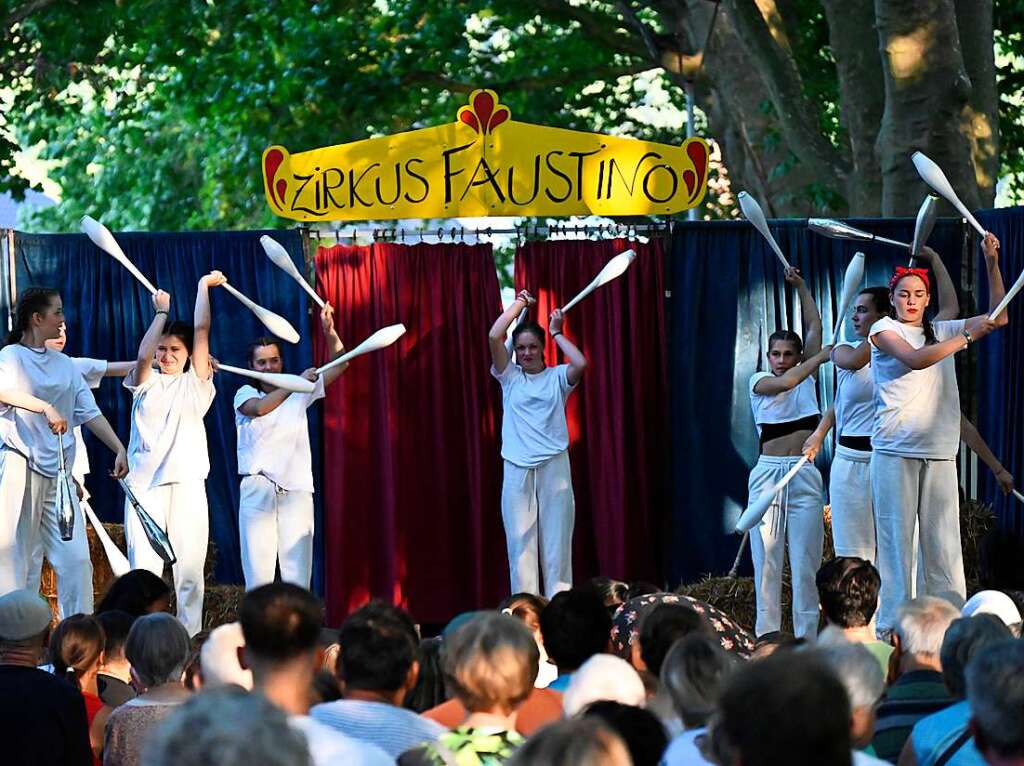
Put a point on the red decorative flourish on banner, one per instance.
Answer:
(698, 154)
(271, 162)
(484, 112)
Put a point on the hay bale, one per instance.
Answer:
(220, 604)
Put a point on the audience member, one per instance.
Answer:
(42, 718)
(281, 625)
(137, 592)
(325, 688)
(192, 676)
(528, 607)
(377, 666)
(115, 676)
(490, 663)
(227, 726)
(429, 691)
(786, 709)
(857, 669)
(219, 663)
(918, 690)
(639, 729)
(995, 692)
(157, 648)
(946, 734)
(576, 742)
(693, 674)
(614, 593)
(628, 619)
(575, 626)
(76, 647)
(604, 677)
(848, 595)
(996, 603)
(775, 641)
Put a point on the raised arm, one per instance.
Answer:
(499, 330)
(792, 377)
(25, 401)
(118, 369)
(996, 289)
(143, 367)
(334, 345)
(973, 439)
(812, 445)
(202, 321)
(920, 358)
(808, 311)
(850, 357)
(258, 406)
(100, 427)
(949, 305)
(577, 362)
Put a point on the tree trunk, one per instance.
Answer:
(980, 121)
(926, 92)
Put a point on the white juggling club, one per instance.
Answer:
(281, 259)
(834, 229)
(1014, 289)
(283, 380)
(613, 269)
(932, 175)
(276, 323)
(851, 286)
(383, 338)
(1018, 495)
(923, 225)
(118, 563)
(105, 241)
(753, 213)
(752, 516)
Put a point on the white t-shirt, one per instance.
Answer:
(92, 370)
(917, 412)
(794, 404)
(533, 425)
(168, 442)
(855, 400)
(276, 445)
(328, 747)
(684, 751)
(52, 377)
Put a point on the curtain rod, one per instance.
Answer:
(461, 232)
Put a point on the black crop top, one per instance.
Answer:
(771, 431)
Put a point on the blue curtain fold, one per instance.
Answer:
(727, 296)
(108, 311)
(1000, 384)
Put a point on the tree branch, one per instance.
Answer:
(436, 80)
(778, 71)
(24, 11)
(599, 27)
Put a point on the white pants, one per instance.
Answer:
(275, 525)
(28, 524)
(796, 518)
(908, 492)
(849, 488)
(539, 510)
(180, 509)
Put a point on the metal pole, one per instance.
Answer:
(691, 214)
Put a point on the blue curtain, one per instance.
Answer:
(1000, 362)
(727, 297)
(108, 311)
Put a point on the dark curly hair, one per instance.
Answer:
(848, 591)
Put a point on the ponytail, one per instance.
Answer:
(33, 300)
(76, 646)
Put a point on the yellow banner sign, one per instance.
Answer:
(485, 163)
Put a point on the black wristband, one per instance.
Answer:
(161, 311)
(555, 334)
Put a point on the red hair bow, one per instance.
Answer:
(903, 271)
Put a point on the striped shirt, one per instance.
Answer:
(393, 729)
(915, 695)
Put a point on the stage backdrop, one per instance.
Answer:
(999, 380)
(411, 434)
(617, 425)
(728, 296)
(108, 312)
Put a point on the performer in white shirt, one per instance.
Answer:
(167, 452)
(537, 504)
(916, 437)
(41, 394)
(275, 511)
(785, 406)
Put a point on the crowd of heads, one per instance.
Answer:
(678, 687)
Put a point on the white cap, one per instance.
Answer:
(218, 659)
(603, 677)
(992, 602)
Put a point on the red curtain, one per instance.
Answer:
(412, 470)
(618, 417)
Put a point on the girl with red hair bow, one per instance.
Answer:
(917, 434)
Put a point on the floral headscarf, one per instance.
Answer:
(627, 619)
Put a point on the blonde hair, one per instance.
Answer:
(491, 661)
